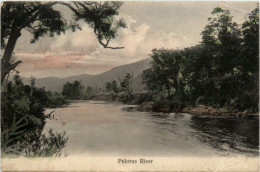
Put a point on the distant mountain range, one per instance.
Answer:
(98, 81)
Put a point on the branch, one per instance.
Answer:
(83, 5)
(12, 66)
(49, 115)
(96, 30)
(105, 45)
(70, 7)
(34, 16)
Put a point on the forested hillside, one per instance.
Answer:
(221, 71)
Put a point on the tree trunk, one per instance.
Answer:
(5, 61)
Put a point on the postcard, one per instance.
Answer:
(130, 86)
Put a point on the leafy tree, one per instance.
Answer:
(73, 90)
(23, 114)
(77, 90)
(67, 90)
(249, 63)
(166, 71)
(250, 52)
(41, 18)
(221, 41)
(114, 86)
(89, 92)
(216, 72)
(108, 86)
(126, 85)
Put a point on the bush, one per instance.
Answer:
(41, 145)
(35, 144)
(143, 97)
(23, 119)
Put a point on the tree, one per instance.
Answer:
(89, 92)
(41, 18)
(67, 90)
(77, 88)
(73, 90)
(23, 120)
(222, 71)
(126, 85)
(221, 40)
(108, 86)
(250, 49)
(114, 86)
(165, 74)
(249, 63)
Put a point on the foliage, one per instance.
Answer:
(73, 91)
(41, 145)
(126, 88)
(126, 84)
(22, 108)
(89, 93)
(112, 87)
(141, 98)
(222, 71)
(122, 91)
(34, 144)
(43, 18)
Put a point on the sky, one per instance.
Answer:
(172, 25)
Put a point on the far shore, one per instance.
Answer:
(148, 107)
(193, 110)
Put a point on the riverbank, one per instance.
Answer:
(193, 110)
(197, 110)
(102, 129)
(166, 134)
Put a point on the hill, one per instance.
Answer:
(97, 81)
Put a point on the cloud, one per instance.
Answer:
(79, 52)
(81, 40)
(140, 40)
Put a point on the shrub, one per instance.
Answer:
(35, 144)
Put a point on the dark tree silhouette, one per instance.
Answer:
(41, 18)
(221, 72)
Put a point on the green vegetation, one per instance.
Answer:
(43, 18)
(123, 91)
(23, 120)
(126, 89)
(22, 105)
(221, 72)
(76, 91)
(73, 91)
(89, 93)
(112, 87)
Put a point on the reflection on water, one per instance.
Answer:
(225, 133)
(101, 128)
(229, 133)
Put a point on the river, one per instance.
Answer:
(112, 129)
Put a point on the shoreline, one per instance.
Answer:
(149, 107)
(193, 110)
(198, 110)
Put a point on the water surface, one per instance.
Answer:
(111, 129)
